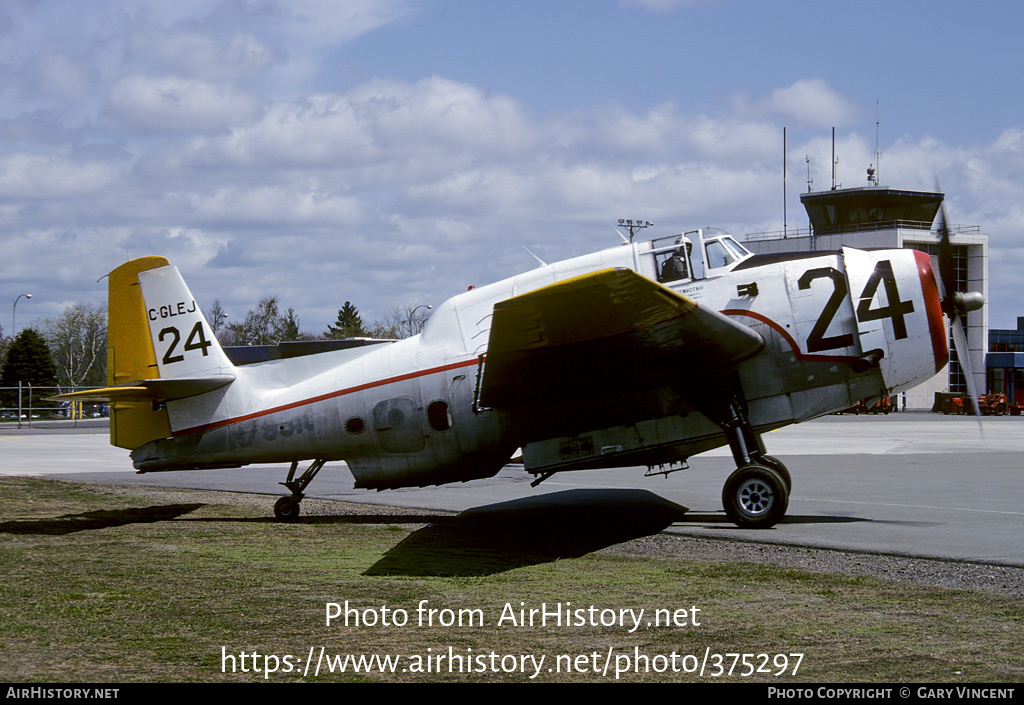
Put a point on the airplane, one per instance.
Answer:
(644, 354)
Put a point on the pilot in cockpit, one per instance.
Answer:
(675, 267)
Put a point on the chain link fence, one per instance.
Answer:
(25, 403)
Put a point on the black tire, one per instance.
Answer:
(776, 465)
(1000, 409)
(287, 509)
(755, 497)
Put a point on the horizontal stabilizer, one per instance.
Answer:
(154, 390)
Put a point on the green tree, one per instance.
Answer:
(289, 326)
(261, 326)
(4, 344)
(29, 362)
(348, 325)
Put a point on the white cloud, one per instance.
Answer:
(203, 55)
(269, 206)
(382, 119)
(179, 104)
(71, 80)
(809, 102)
(32, 177)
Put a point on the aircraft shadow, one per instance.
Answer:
(100, 519)
(500, 537)
(720, 520)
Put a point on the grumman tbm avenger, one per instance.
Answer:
(643, 354)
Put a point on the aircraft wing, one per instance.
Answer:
(608, 331)
(150, 390)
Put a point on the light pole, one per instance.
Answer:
(14, 306)
(412, 331)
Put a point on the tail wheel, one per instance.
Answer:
(287, 509)
(755, 497)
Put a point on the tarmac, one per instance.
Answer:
(908, 484)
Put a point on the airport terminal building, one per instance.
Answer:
(874, 217)
(1006, 362)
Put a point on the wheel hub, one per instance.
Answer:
(755, 497)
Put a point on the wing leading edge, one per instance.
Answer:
(608, 331)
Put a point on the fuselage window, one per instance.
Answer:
(355, 425)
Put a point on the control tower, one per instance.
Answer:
(874, 217)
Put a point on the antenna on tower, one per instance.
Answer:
(834, 159)
(878, 151)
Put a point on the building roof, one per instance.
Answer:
(870, 208)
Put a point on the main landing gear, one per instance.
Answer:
(756, 495)
(287, 508)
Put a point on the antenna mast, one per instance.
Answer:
(878, 151)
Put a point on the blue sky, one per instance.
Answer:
(391, 153)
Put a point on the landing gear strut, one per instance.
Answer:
(287, 508)
(756, 495)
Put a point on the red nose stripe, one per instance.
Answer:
(934, 308)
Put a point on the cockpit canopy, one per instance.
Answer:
(722, 249)
(696, 254)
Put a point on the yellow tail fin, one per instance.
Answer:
(130, 356)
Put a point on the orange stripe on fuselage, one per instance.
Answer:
(800, 355)
(324, 397)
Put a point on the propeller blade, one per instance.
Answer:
(955, 305)
(946, 268)
(960, 342)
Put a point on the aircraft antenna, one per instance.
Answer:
(618, 232)
(542, 262)
(633, 225)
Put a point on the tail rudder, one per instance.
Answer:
(130, 355)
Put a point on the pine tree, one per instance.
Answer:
(348, 325)
(289, 327)
(29, 362)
